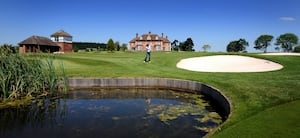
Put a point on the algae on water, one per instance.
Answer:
(196, 108)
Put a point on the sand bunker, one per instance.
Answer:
(228, 63)
(282, 54)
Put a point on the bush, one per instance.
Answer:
(110, 45)
(297, 49)
(8, 49)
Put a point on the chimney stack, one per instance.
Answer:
(136, 35)
(162, 35)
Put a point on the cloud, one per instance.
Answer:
(289, 19)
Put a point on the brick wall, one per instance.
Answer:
(65, 47)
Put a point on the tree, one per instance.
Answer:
(206, 47)
(287, 41)
(262, 42)
(277, 48)
(297, 49)
(88, 45)
(237, 46)
(110, 45)
(174, 45)
(123, 47)
(117, 45)
(187, 45)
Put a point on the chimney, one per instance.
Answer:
(167, 37)
(162, 35)
(136, 35)
(149, 32)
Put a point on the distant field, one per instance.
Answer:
(264, 104)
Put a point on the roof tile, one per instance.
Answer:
(38, 40)
(61, 33)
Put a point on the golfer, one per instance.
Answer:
(148, 51)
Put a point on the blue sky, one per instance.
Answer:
(213, 22)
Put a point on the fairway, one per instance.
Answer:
(254, 96)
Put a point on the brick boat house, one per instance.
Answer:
(35, 44)
(60, 42)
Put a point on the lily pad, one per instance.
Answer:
(213, 117)
(115, 118)
(205, 129)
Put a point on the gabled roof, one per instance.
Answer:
(149, 37)
(61, 33)
(166, 40)
(38, 40)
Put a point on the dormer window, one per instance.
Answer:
(148, 37)
(156, 37)
(141, 38)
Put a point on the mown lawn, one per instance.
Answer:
(264, 104)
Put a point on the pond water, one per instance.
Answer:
(112, 113)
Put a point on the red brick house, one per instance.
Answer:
(158, 43)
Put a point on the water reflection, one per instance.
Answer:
(148, 100)
(112, 113)
(42, 113)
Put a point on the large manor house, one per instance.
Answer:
(61, 42)
(157, 43)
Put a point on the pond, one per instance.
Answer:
(113, 113)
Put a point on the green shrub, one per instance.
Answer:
(297, 49)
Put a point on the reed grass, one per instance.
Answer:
(50, 74)
(64, 79)
(27, 76)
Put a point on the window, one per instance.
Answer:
(139, 48)
(157, 48)
(167, 48)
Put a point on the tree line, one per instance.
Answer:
(187, 45)
(109, 46)
(287, 42)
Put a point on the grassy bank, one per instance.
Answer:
(254, 96)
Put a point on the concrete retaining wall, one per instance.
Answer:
(166, 83)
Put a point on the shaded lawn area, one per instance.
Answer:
(276, 122)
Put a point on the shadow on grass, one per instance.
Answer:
(83, 61)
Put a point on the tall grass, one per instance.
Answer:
(64, 79)
(22, 76)
(55, 75)
(50, 75)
